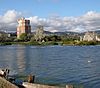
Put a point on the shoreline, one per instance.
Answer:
(7, 84)
(70, 43)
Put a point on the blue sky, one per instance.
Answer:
(45, 8)
(54, 15)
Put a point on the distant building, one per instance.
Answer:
(23, 27)
(90, 36)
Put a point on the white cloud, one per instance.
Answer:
(78, 29)
(51, 29)
(10, 16)
(88, 21)
(8, 21)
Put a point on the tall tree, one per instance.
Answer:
(39, 34)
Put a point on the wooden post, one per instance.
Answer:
(31, 79)
(7, 73)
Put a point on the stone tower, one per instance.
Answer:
(23, 26)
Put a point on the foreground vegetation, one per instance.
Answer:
(51, 43)
(41, 39)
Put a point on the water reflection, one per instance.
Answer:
(20, 57)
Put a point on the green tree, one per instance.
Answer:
(3, 37)
(24, 37)
(32, 38)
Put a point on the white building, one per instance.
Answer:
(90, 36)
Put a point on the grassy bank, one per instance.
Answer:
(52, 43)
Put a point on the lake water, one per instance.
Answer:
(54, 64)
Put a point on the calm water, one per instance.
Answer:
(55, 64)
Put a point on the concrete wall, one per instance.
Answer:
(31, 85)
(6, 84)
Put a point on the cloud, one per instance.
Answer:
(10, 16)
(8, 21)
(89, 21)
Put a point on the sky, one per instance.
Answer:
(54, 15)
